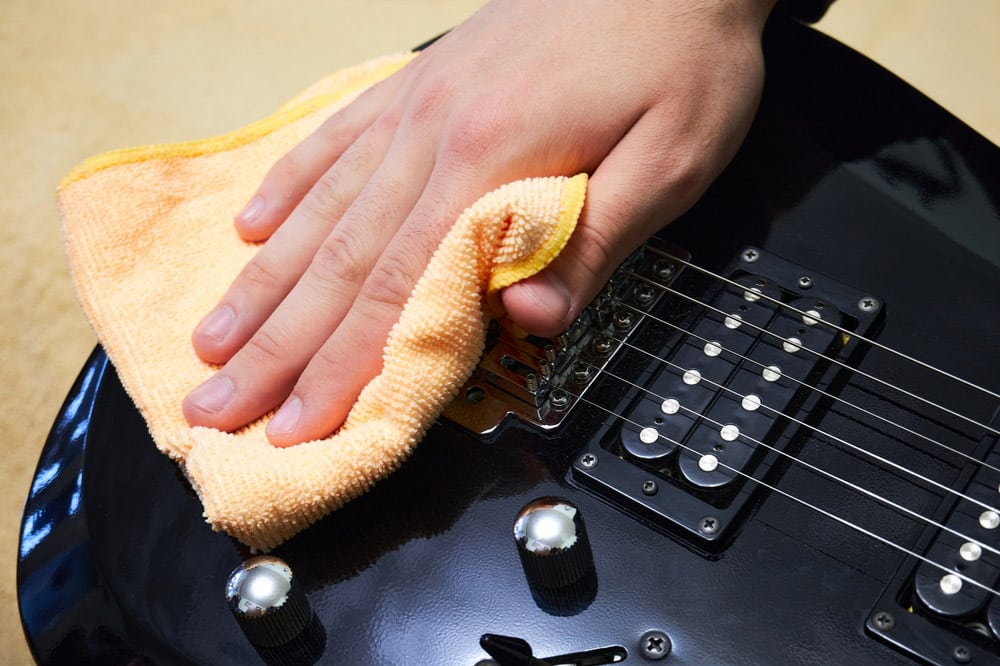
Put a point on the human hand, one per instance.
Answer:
(652, 99)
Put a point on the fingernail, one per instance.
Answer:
(551, 295)
(217, 323)
(251, 210)
(214, 394)
(287, 417)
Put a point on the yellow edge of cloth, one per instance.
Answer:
(359, 78)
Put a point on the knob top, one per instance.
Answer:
(266, 601)
(552, 543)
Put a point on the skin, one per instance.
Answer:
(652, 99)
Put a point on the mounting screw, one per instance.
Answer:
(655, 645)
(868, 304)
(960, 654)
(883, 621)
(805, 282)
(649, 487)
(664, 269)
(559, 400)
(750, 255)
(708, 525)
(588, 461)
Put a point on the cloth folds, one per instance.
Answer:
(152, 248)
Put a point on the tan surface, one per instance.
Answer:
(83, 77)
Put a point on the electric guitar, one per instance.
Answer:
(775, 433)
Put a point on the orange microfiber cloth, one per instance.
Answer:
(151, 247)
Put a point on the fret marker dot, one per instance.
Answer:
(752, 295)
(733, 321)
(989, 519)
(691, 377)
(713, 348)
(729, 432)
(670, 406)
(811, 317)
(750, 402)
(708, 463)
(950, 583)
(970, 551)
(791, 345)
(771, 373)
(648, 435)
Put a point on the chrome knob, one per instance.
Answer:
(552, 543)
(267, 602)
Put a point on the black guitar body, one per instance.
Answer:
(850, 179)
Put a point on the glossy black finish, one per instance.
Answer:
(846, 171)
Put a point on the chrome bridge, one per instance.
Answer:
(540, 380)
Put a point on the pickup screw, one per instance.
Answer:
(960, 654)
(643, 294)
(581, 371)
(750, 255)
(708, 525)
(622, 319)
(884, 621)
(655, 645)
(602, 345)
(868, 304)
(664, 269)
(805, 282)
(649, 487)
(588, 461)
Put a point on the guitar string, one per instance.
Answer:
(830, 475)
(836, 327)
(817, 430)
(847, 403)
(847, 523)
(878, 380)
(813, 507)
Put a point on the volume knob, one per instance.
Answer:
(267, 602)
(552, 543)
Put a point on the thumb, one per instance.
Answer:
(638, 188)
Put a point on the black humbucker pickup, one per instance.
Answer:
(737, 373)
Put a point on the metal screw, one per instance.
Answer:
(708, 525)
(643, 294)
(581, 371)
(649, 487)
(868, 304)
(622, 319)
(559, 399)
(750, 255)
(960, 654)
(550, 353)
(655, 645)
(664, 269)
(602, 345)
(805, 282)
(588, 461)
(884, 621)
(531, 382)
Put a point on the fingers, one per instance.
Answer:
(261, 374)
(291, 177)
(645, 182)
(335, 376)
(269, 277)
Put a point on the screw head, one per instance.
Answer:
(655, 645)
(588, 461)
(805, 282)
(883, 621)
(961, 654)
(869, 304)
(709, 525)
(649, 487)
(750, 255)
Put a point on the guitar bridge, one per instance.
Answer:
(540, 380)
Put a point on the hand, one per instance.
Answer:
(651, 98)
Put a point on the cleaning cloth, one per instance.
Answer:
(152, 248)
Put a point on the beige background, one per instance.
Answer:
(84, 76)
